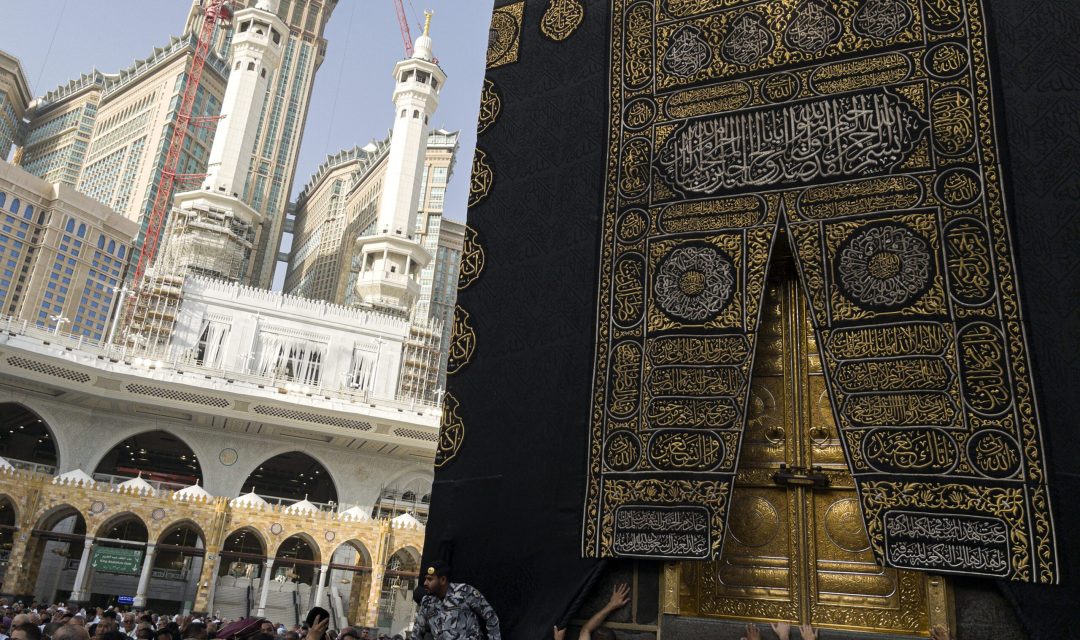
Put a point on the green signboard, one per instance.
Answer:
(117, 560)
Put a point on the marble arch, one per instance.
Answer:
(178, 523)
(49, 424)
(260, 535)
(117, 518)
(324, 468)
(316, 549)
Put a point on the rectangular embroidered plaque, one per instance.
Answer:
(867, 129)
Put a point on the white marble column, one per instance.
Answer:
(144, 577)
(77, 594)
(324, 571)
(265, 588)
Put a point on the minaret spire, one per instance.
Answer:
(391, 258)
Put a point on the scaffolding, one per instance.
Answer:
(421, 356)
(201, 239)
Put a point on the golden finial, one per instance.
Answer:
(427, 22)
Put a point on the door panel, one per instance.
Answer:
(776, 530)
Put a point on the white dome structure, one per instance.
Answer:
(137, 485)
(75, 477)
(406, 521)
(354, 513)
(250, 499)
(192, 493)
(301, 507)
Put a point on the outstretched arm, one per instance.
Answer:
(619, 597)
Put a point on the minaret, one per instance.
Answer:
(213, 230)
(392, 258)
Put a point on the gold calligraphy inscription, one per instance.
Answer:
(695, 381)
(899, 409)
(462, 342)
(912, 338)
(910, 450)
(946, 60)
(628, 295)
(860, 74)
(994, 454)
(490, 106)
(953, 112)
(622, 451)
(698, 350)
(638, 45)
(632, 225)
(647, 492)
(712, 215)
(901, 374)
(693, 450)
(625, 380)
(983, 368)
(719, 413)
(561, 19)
(451, 432)
(860, 197)
(698, 102)
(639, 114)
(968, 258)
(482, 178)
(472, 259)
(504, 36)
(754, 37)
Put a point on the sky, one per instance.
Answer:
(57, 40)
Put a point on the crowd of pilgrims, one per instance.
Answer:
(59, 622)
(447, 611)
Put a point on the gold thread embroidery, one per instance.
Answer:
(462, 342)
(490, 106)
(482, 178)
(561, 19)
(504, 37)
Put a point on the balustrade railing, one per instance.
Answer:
(175, 359)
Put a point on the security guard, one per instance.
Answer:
(453, 610)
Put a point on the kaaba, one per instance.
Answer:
(768, 308)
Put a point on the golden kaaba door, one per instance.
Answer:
(796, 546)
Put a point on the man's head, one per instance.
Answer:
(105, 626)
(108, 614)
(437, 579)
(128, 621)
(78, 620)
(165, 634)
(196, 630)
(26, 632)
(267, 627)
(71, 632)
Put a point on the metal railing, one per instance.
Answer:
(35, 467)
(179, 360)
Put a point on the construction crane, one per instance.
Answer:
(214, 12)
(406, 34)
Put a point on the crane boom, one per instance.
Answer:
(406, 34)
(216, 11)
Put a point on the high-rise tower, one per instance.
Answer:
(392, 257)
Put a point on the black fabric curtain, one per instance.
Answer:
(506, 507)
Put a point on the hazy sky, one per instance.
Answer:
(351, 99)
